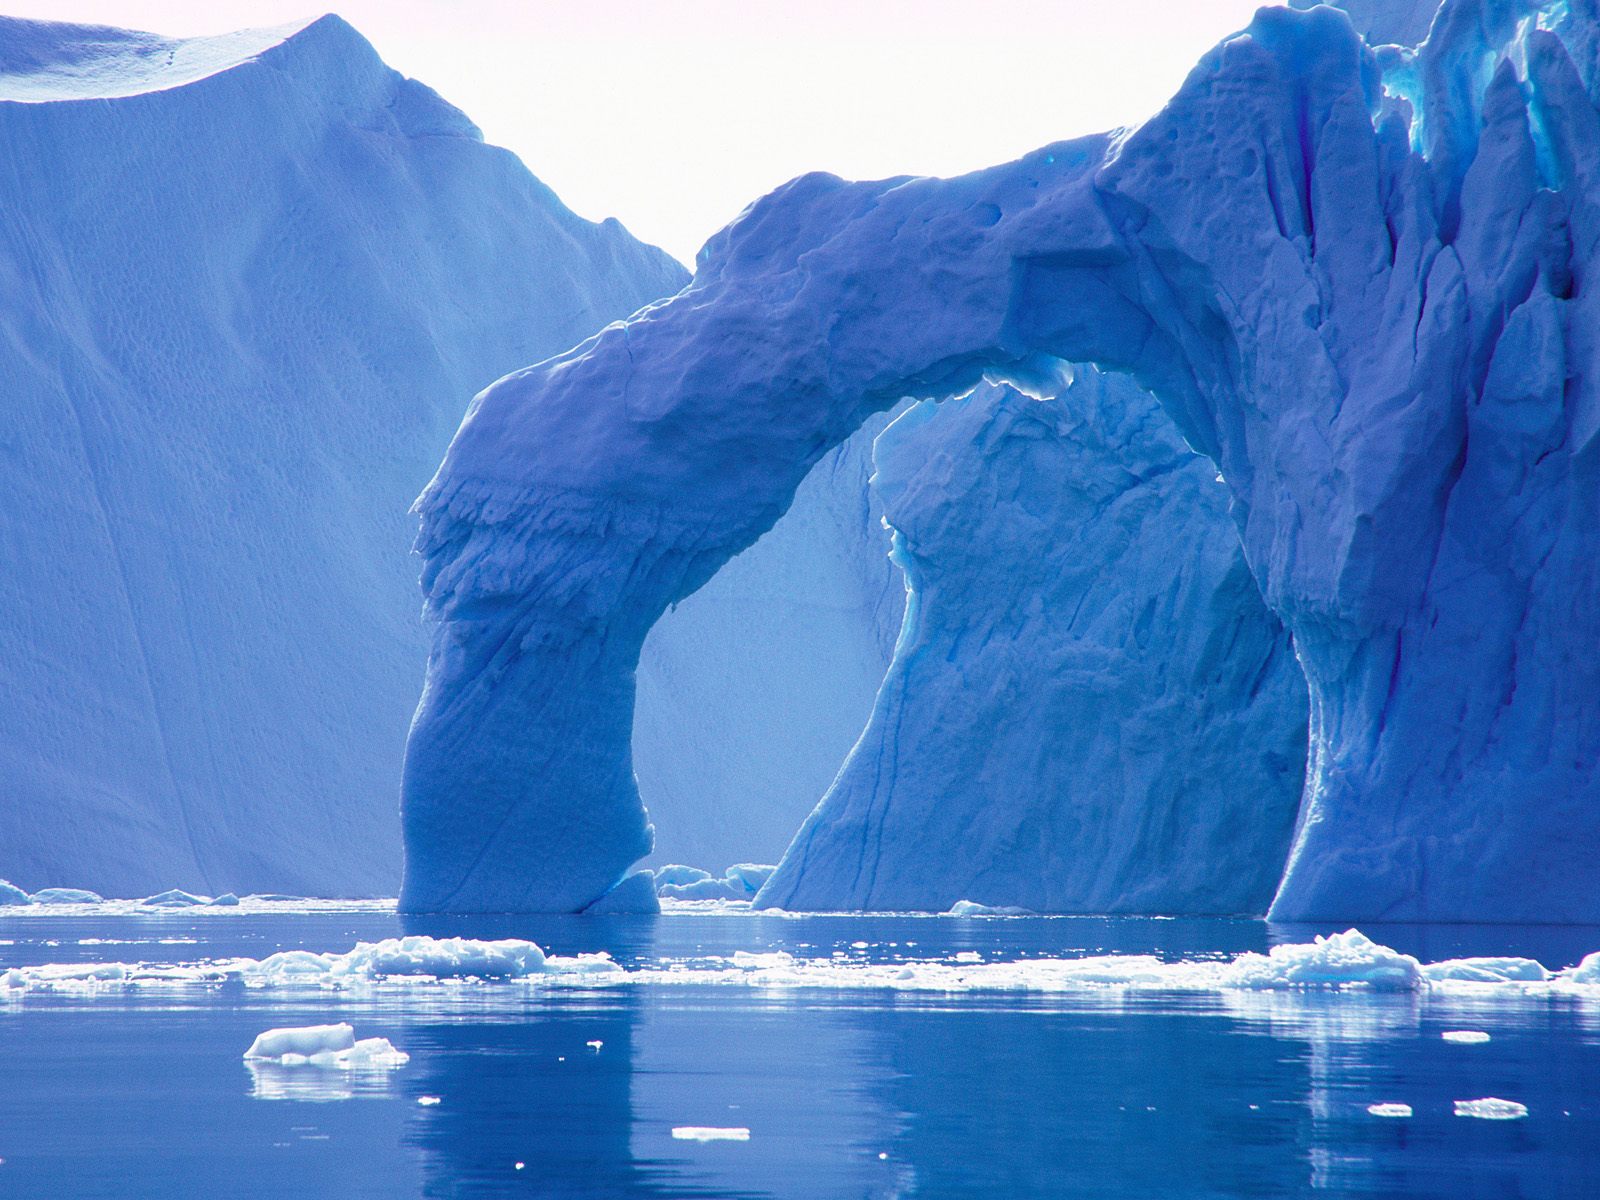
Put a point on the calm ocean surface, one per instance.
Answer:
(845, 1092)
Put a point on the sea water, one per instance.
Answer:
(625, 1087)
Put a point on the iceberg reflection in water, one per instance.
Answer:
(1100, 1091)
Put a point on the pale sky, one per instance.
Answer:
(672, 115)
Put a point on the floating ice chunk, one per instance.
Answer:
(66, 896)
(175, 898)
(635, 894)
(595, 1045)
(739, 882)
(706, 889)
(1486, 970)
(428, 1101)
(969, 956)
(1342, 959)
(10, 894)
(1491, 1108)
(1389, 1110)
(710, 1133)
(302, 1040)
(1587, 971)
(971, 908)
(328, 1046)
(226, 900)
(443, 958)
(676, 875)
(1465, 1037)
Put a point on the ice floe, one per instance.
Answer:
(329, 1046)
(1347, 961)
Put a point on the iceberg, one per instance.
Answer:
(251, 282)
(1350, 276)
(1143, 718)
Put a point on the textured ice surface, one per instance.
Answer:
(11, 894)
(1090, 709)
(1348, 276)
(251, 283)
(739, 882)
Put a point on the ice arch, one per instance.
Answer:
(1371, 317)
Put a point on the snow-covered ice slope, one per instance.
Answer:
(753, 690)
(250, 284)
(1081, 604)
(1356, 282)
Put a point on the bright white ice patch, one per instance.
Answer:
(332, 1047)
(710, 1133)
(1465, 1037)
(1389, 1110)
(1491, 1108)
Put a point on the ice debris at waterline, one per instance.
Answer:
(328, 1046)
(1345, 961)
(423, 959)
(1356, 279)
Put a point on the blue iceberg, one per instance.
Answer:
(1352, 277)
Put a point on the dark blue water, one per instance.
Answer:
(845, 1093)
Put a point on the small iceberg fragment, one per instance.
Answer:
(710, 1133)
(11, 894)
(175, 898)
(329, 1046)
(1491, 1108)
(1465, 1037)
(226, 900)
(61, 895)
(1339, 960)
(676, 875)
(635, 895)
(1389, 1110)
(971, 908)
(739, 882)
(428, 1101)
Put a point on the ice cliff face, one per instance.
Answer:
(1090, 709)
(1354, 280)
(250, 282)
